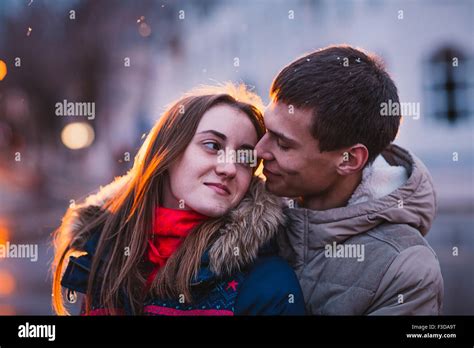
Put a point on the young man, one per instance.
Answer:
(362, 206)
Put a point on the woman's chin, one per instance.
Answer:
(212, 209)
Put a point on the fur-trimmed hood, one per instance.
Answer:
(251, 225)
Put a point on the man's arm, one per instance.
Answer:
(412, 285)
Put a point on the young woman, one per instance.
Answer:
(189, 230)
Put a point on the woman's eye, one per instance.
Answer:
(212, 145)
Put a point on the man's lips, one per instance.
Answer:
(218, 188)
(267, 172)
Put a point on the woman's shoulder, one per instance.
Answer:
(270, 288)
(76, 275)
(272, 267)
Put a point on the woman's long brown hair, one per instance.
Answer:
(126, 219)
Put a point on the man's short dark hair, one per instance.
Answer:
(345, 89)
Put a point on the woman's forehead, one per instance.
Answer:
(230, 121)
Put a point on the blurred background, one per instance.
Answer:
(132, 58)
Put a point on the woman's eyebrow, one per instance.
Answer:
(224, 138)
(216, 133)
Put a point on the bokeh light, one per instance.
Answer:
(3, 70)
(7, 283)
(4, 232)
(77, 135)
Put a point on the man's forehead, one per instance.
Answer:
(288, 113)
(274, 106)
(288, 122)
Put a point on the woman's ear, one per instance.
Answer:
(352, 159)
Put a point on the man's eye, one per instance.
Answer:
(212, 145)
(282, 147)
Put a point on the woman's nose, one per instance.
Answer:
(227, 168)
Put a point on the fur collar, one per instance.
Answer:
(378, 180)
(252, 224)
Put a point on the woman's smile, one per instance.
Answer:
(219, 188)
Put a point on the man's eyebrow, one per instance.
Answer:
(216, 133)
(283, 137)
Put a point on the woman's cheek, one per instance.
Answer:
(243, 183)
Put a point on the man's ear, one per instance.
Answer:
(352, 160)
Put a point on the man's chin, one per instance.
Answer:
(274, 188)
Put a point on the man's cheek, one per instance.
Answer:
(290, 168)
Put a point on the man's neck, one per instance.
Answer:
(336, 197)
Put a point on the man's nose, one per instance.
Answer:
(262, 149)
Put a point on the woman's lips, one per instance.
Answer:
(219, 188)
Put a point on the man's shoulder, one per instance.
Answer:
(394, 238)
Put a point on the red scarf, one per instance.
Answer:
(170, 228)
